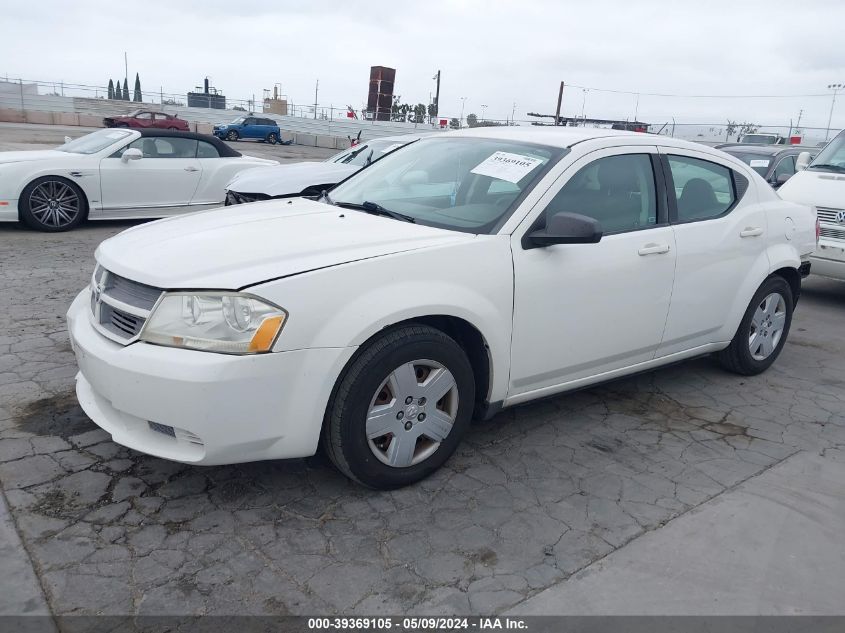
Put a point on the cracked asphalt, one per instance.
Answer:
(532, 496)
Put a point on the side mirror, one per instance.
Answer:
(803, 160)
(133, 153)
(782, 179)
(564, 228)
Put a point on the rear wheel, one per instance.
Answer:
(232, 135)
(52, 204)
(401, 408)
(762, 331)
(272, 138)
(173, 128)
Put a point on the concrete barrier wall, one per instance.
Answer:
(8, 115)
(305, 139)
(329, 142)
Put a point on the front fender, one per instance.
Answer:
(345, 305)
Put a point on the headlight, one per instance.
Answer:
(226, 322)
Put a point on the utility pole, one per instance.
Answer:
(583, 104)
(559, 100)
(836, 88)
(316, 90)
(637, 108)
(513, 112)
(437, 96)
(125, 68)
(463, 103)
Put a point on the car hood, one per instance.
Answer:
(289, 179)
(236, 247)
(818, 188)
(41, 154)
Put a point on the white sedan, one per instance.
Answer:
(310, 178)
(117, 174)
(468, 272)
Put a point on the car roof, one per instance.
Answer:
(223, 149)
(766, 150)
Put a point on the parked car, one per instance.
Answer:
(775, 163)
(822, 184)
(309, 178)
(468, 272)
(249, 127)
(148, 119)
(117, 174)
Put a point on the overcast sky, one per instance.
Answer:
(495, 53)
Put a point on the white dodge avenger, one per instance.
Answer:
(456, 276)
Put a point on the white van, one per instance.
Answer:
(822, 184)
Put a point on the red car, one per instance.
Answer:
(148, 119)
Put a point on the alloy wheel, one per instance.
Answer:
(54, 204)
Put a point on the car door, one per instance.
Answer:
(720, 233)
(143, 120)
(581, 310)
(161, 121)
(166, 176)
(250, 128)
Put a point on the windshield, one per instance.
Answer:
(763, 139)
(832, 157)
(238, 121)
(94, 142)
(757, 162)
(464, 184)
(365, 153)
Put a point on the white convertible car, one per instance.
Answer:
(117, 174)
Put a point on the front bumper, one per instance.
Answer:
(199, 407)
(829, 259)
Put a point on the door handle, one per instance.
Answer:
(751, 231)
(191, 168)
(654, 249)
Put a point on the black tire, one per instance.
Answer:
(737, 357)
(344, 427)
(173, 129)
(232, 135)
(33, 194)
(272, 138)
(122, 125)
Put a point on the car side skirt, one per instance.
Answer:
(572, 385)
(150, 212)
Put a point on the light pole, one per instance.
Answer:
(583, 102)
(483, 106)
(463, 102)
(836, 88)
(513, 113)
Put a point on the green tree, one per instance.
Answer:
(125, 89)
(117, 93)
(454, 123)
(419, 113)
(137, 95)
(432, 110)
(472, 120)
(111, 89)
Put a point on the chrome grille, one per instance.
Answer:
(120, 307)
(836, 234)
(828, 215)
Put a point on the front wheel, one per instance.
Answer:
(232, 135)
(400, 410)
(52, 204)
(762, 331)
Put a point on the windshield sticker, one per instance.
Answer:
(759, 163)
(390, 148)
(506, 166)
(116, 134)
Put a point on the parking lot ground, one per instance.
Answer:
(530, 499)
(773, 545)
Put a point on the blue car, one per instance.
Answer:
(249, 127)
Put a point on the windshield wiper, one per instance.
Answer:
(827, 166)
(324, 197)
(376, 209)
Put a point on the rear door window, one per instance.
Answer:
(703, 190)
